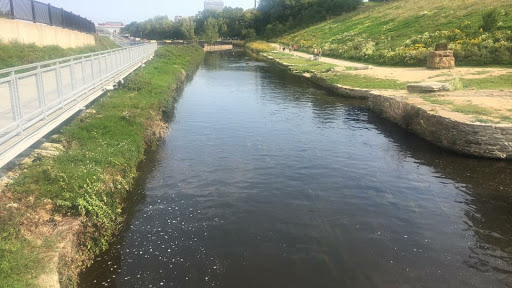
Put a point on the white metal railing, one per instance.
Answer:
(29, 93)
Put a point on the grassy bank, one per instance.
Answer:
(16, 54)
(328, 72)
(90, 178)
(402, 32)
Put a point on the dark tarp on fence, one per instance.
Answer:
(35, 11)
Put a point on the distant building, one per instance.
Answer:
(217, 5)
(111, 27)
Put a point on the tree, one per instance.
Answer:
(187, 27)
(211, 30)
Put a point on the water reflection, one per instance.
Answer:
(268, 181)
(487, 207)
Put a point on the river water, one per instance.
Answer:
(269, 181)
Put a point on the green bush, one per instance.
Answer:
(491, 20)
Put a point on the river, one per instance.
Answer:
(267, 180)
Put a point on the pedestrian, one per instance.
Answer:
(294, 47)
(290, 48)
(319, 53)
(284, 49)
(315, 54)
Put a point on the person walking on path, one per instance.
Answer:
(319, 53)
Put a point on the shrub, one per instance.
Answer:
(491, 20)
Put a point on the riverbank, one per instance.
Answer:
(467, 120)
(65, 204)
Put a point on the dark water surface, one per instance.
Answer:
(268, 181)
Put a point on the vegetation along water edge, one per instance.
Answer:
(65, 205)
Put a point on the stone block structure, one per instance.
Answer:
(441, 60)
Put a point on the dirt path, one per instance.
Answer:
(406, 74)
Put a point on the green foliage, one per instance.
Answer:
(273, 18)
(281, 16)
(259, 46)
(471, 109)
(17, 54)
(20, 258)
(103, 147)
(492, 83)
(506, 119)
(364, 82)
(403, 32)
(491, 19)
(437, 100)
(211, 30)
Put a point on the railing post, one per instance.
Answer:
(92, 68)
(112, 69)
(60, 90)
(84, 78)
(40, 90)
(33, 11)
(50, 14)
(12, 8)
(15, 100)
(73, 78)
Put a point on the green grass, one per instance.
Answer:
(485, 120)
(102, 150)
(506, 119)
(16, 54)
(282, 55)
(437, 100)
(471, 109)
(444, 74)
(387, 33)
(259, 46)
(481, 73)
(20, 258)
(300, 64)
(364, 82)
(492, 83)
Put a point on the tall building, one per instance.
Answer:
(213, 5)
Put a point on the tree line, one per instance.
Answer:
(272, 18)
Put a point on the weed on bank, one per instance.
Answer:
(91, 177)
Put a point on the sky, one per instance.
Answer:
(127, 11)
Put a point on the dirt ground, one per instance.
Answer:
(415, 74)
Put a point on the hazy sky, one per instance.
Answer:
(137, 10)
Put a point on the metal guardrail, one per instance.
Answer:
(30, 93)
(38, 12)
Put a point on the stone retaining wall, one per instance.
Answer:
(482, 140)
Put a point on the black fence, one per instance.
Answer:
(38, 12)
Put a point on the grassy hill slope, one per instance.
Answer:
(16, 54)
(401, 32)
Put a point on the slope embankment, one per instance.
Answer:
(64, 205)
(402, 32)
